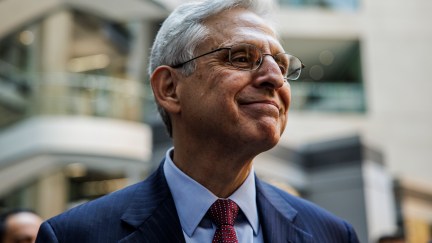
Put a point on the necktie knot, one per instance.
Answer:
(223, 212)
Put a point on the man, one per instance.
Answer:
(218, 75)
(19, 226)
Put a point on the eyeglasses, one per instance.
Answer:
(249, 57)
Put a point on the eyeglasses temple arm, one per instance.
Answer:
(207, 53)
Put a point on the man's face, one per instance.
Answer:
(237, 107)
(22, 228)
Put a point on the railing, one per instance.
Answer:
(328, 97)
(83, 94)
(91, 95)
(350, 5)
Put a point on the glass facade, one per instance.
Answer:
(69, 63)
(328, 96)
(332, 79)
(15, 61)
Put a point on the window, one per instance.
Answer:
(332, 79)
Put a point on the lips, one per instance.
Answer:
(264, 102)
(262, 105)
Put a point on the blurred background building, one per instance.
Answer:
(77, 118)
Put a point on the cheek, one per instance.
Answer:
(284, 121)
(218, 77)
(285, 96)
(226, 84)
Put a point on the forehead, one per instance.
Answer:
(241, 25)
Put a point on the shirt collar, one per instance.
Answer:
(192, 200)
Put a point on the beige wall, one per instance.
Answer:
(397, 63)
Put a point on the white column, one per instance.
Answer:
(52, 194)
(142, 34)
(55, 45)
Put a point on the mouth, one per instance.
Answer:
(262, 103)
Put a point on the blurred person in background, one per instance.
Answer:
(19, 226)
(220, 78)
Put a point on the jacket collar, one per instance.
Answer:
(152, 212)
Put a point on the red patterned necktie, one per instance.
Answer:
(223, 213)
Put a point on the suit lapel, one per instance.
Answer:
(152, 212)
(278, 218)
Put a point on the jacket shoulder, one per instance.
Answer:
(81, 223)
(302, 206)
(312, 218)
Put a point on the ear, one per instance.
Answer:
(164, 84)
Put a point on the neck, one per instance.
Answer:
(220, 171)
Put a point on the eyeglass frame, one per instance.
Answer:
(246, 69)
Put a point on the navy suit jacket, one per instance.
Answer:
(145, 212)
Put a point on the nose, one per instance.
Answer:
(269, 75)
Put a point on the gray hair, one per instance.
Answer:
(183, 31)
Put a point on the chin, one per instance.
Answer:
(273, 142)
(271, 133)
(262, 136)
(267, 141)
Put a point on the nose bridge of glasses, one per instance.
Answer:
(277, 81)
(264, 55)
(274, 59)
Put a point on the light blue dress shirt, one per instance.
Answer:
(192, 201)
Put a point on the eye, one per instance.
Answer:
(241, 59)
(283, 69)
(283, 62)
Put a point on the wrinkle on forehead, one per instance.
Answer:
(241, 26)
(231, 16)
(263, 41)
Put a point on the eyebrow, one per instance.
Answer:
(274, 48)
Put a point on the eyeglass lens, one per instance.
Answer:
(249, 57)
